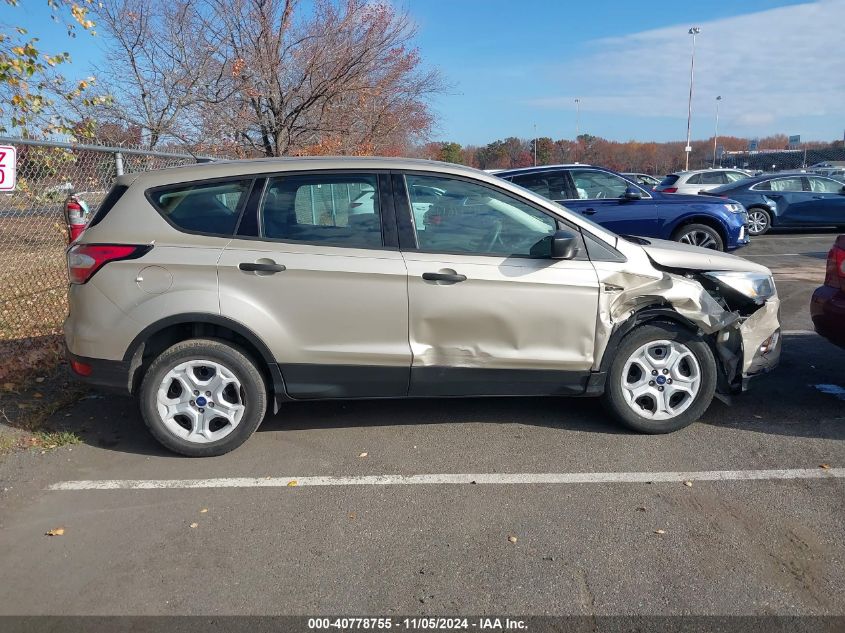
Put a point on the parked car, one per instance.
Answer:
(625, 207)
(644, 180)
(698, 180)
(217, 292)
(796, 200)
(827, 306)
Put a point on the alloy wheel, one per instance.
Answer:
(200, 401)
(757, 222)
(661, 379)
(699, 238)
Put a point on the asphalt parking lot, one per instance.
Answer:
(560, 512)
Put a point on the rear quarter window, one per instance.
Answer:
(202, 207)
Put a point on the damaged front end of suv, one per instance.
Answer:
(730, 302)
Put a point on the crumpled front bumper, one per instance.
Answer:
(745, 345)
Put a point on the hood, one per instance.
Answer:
(676, 255)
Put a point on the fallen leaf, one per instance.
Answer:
(512, 538)
(688, 484)
(292, 482)
(37, 395)
(39, 379)
(352, 515)
(660, 531)
(641, 509)
(195, 525)
(204, 510)
(56, 532)
(825, 466)
(363, 454)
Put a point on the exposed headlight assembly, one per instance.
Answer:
(733, 207)
(756, 286)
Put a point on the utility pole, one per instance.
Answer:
(577, 126)
(716, 130)
(693, 31)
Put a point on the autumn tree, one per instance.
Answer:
(157, 71)
(342, 77)
(33, 93)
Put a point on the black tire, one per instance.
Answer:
(252, 395)
(614, 396)
(700, 235)
(764, 217)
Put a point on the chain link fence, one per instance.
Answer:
(829, 161)
(33, 231)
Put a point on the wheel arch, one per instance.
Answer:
(708, 220)
(655, 313)
(158, 336)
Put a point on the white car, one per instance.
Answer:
(698, 180)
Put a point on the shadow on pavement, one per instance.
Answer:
(784, 402)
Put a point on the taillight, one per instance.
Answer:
(670, 190)
(83, 260)
(835, 270)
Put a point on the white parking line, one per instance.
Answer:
(480, 478)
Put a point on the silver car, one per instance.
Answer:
(698, 180)
(218, 292)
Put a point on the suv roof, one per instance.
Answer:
(519, 170)
(246, 167)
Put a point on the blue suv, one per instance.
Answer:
(624, 207)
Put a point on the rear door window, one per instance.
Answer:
(330, 209)
(205, 207)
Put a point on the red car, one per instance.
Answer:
(827, 307)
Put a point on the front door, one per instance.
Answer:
(601, 196)
(320, 283)
(489, 312)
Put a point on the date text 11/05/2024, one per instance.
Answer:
(417, 624)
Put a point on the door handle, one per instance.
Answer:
(588, 211)
(452, 278)
(261, 267)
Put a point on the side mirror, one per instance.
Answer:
(564, 245)
(632, 194)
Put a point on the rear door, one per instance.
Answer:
(826, 204)
(601, 196)
(790, 193)
(315, 272)
(489, 313)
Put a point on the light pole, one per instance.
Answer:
(693, 31)
(535, 145)
(716, 130)
(577, 126)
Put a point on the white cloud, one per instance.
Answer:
(769, 66)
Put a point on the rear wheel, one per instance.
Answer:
(662, 379)
(759, 221)
(203, 397)
(700, 235)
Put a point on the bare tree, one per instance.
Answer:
(342, 79)
(156, 71)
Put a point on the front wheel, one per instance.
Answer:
(203, 397)
(700, 235)
(662, 379)
(759, 221)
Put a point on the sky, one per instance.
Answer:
(512, 65)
